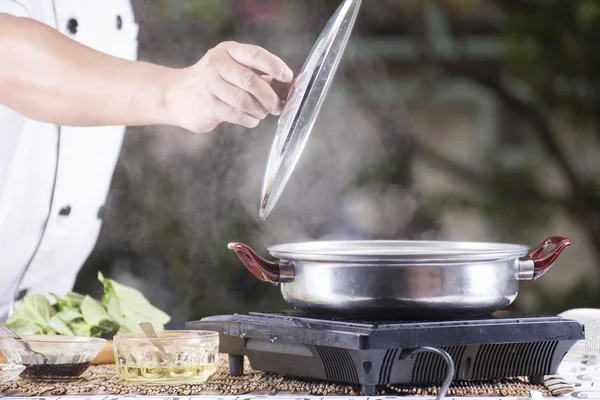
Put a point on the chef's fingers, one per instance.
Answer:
(249, 81)
(238, 98)
(226, 113)
(281, 88)
(260, 59)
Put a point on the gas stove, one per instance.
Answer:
(373, 353)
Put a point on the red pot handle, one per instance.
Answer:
(264, 270)
(542, 264)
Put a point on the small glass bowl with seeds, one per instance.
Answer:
(51, 357)
(173, 358)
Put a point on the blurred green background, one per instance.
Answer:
(447, 120)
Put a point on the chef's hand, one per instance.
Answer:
(222, 87)
(49, 77)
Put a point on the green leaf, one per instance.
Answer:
(35, 309)
(113, 308)
(71, 300)
(128, 306)
(92, 311)
(69, 315)
(108, 326)
(23, 327)
(60, 326)
(81, 328)
(105, 329)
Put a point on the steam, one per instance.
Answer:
(209, 175)
(179, 193)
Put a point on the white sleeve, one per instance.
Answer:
(17, 8)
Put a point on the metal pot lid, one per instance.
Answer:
(304, 103)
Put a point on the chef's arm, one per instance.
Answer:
(49, 77)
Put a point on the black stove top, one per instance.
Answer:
(372, 353)
(296, 315)
(295, 327)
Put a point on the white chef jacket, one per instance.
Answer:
(54, 180)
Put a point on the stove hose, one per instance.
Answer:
(449, 363)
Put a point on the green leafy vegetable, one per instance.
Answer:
(92, 311)
(60, 326)
(71, 301)
(32, 316)
(69, 315)
(25, 327)
(75, 314)
(82, 328)
(127, 307)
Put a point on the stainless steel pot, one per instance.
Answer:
(400, 279)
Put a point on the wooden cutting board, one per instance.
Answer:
(106, 355)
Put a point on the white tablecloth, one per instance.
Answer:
(583, 373)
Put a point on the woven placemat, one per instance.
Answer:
(103, 380)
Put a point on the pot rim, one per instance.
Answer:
(397, 251)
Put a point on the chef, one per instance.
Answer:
(69, 84)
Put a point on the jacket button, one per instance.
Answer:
(21, 295)
(119, 22)
(72, 26)
(65, 211)
(101, 212)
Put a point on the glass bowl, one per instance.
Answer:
(189, 357)
(8, 372)
(66, 357)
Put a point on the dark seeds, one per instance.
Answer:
(54, 371)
